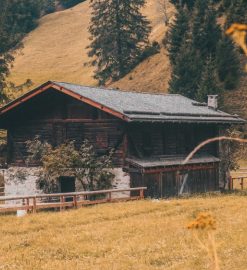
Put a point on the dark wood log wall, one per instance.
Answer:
(147, 140)
(56, 118)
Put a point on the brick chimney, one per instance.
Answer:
(213, 101)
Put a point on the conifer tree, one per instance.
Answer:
(177, 33)
(181, 3)
(70, 3)
(190, 63)
(7, 41)
(48, 6)
(236, 12)
(17, 17)
(228, 63)
(119, 36)
(205, 30)
(186, 73)
(209, 84)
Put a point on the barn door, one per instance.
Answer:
(170, 184)
(153, 183)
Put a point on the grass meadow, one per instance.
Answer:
(134, 235)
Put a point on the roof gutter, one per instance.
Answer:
(199, 121)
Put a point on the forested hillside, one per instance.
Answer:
(56, 50)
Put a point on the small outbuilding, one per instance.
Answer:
(150, 133)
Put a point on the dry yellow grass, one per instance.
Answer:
(134, 235)
(56, 50)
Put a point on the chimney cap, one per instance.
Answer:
(212, 95)
(213, 101)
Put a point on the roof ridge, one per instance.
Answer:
(120, 90)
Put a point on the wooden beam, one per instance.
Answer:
(179, 168)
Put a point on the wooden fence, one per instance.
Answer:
(62, 201)
(239, 182)
(238, 179)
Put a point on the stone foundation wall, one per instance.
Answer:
(23, 181)
(121, 181)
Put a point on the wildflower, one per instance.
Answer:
(203, 221)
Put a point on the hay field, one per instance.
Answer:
(134, 235)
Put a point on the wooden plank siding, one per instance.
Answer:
(150, 140)
(167, 184)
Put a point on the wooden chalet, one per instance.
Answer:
(151, 133)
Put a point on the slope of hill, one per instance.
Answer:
(236, 100)
(56, 50)
(149, 235)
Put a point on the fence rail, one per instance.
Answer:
(239, 182)
(33, 203)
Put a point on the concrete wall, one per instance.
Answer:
(23, 181)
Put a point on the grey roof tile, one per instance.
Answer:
(171, 161)
(152, 107)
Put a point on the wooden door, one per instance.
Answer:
(67, 185)
(153, 184)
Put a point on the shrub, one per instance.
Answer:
(91, 170)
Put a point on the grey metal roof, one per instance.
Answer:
(170, 161)
(152, 107)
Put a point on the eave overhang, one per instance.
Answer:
(48, 85)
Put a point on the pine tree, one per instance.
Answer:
(205, 30)
(181, 3)
(186, 73)
(7, 41)
(119, 36)
(209, 84)
(48, 6)
(236, 12)
(70, 3)
(22, 16)
(177, 34)
(17, 17)
(228, 63)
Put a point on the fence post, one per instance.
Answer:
(61, 203)
(28, 204)
(141, 193)
(75, 201)
(109, 197)
(242, 183)
(230, 183)
(34, 205)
